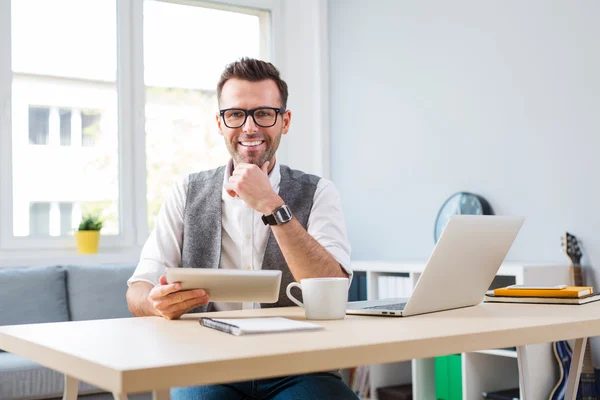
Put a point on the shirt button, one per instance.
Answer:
(247, 267)
(247, 236)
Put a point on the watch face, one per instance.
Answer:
(283, 214)
(462, 203)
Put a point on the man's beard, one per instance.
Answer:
(272, 144)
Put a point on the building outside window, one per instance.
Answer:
(52, 219)
(65, 127)
(39, 125)
(64, 98)
(66, 106)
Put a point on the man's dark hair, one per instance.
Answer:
(250, 69)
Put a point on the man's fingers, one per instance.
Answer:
(164, 290)
(230, 189)
(176, 310)
(166, 302)
(185, 295)
(243, 169)
(191, 303)
(265, 167)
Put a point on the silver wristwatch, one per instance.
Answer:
(280, 216)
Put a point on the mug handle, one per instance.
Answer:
(289, 294)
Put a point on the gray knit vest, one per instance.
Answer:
(202, 223)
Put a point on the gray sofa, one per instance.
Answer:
(55, 294)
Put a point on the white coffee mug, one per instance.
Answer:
(324, 298)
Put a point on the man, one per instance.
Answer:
(213, 219)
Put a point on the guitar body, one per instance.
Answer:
(587, 390)
(563, 355)
(588, 382)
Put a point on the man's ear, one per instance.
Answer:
(287, 120)
(219, 124)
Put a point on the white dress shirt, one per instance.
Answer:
(244, 235)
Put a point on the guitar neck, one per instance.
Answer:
(578, 275)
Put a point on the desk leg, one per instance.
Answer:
(161, 395)
(575, 369)
(524, 380)
(71, 388)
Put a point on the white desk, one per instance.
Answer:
(153, 354)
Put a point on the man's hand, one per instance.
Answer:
(251, 184)
(171, 303)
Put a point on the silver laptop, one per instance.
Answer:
(460, 270)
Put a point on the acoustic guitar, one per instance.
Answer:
(587, 389)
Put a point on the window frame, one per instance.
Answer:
(130, 86)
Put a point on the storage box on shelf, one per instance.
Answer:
(482, 371)
(448, 377)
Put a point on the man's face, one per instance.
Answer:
(251, 143)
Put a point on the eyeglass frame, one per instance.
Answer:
(251, 112)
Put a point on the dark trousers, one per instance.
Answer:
(296, 387)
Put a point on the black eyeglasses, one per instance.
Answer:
(265, 117)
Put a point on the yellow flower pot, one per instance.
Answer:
(87, 241)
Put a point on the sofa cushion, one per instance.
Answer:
(98, 291)
(32, 295)
(21, 378)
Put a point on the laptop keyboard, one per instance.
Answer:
(396, 306)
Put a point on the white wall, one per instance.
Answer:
(303, 65)
(499, 98)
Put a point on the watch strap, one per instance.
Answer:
(269, 219)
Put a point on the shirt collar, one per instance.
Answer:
(274, 178)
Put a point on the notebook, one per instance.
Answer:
(569, 291)
(490, 297)
(251, 326)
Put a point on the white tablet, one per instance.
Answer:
(230, 285)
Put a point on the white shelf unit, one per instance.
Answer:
(486, 370)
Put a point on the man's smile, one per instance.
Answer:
(251, 144)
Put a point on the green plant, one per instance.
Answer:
(90, 222)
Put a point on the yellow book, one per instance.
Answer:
(568, 291)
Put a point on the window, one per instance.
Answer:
(39, 122)
(181, 74)
(66, 218)
(90, 127)
(39, 219)
(52, 219)
(65, 127)
(70, 72)
(108, 106)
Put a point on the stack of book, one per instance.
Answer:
(543, 295)
(359, 381)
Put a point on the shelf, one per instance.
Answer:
(391, 267)
(507, 268)
(499, 352)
